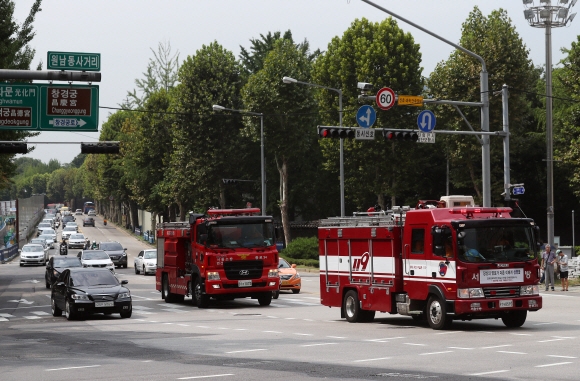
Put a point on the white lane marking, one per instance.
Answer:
(6, 315)
(152, 321)
(32, 317)
(168, 323)
(271, 331)
(139, 320)
(40, 313)
(554, 364)
(184, 325)
(497, 346)
(170, 305)
(246, 350)
(173, 310)
(240, 329)
(3, 319)
(549, 340)
(317, 345)
(422, 345)
(303, 334)
(202, 326)
(547, 323)
(290, 318)
(512, 353)
(144, 312)
(23, 307)
(147, 361)
(447, 333)
(336, 337)
(377, 359)
(467, 349)
(557, 337)
(521, 334)
(223, 328)
(73, 367)
(142, 308)
(307, 319)
(434, 353)
(484, 373)
(272, 317)
(563, 357)
(210, 376)
(386, 338)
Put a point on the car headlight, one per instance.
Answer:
(124, 254)
(79, 297)
(532, 289)
(213, 276)
(297, 276)
(273, 274)
(124, 295)
(468, 293)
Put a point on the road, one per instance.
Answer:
(293, 339)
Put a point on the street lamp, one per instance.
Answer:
(262, 171)
(339, 91)
(548, 16)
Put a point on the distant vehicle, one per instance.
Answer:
(92, 213)
(77, 241)
(56, 265)
(88, 206)
(50, 232)
(73, 224)
(289, 277)
(146, 262)
(81, 291)
(67, 219)
(65, 211)
(89, 221)
(78, 212)
(48, 221)
(32, 254)
(116, 252)
(96, 258)
(48, 238)
(67, 231)
(41, 241)
(41, 226)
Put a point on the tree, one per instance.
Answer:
(288, 113)
(381, 54)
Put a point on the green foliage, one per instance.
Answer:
(302, 262)
(302, 248)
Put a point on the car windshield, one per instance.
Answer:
(150, 255)
(496, 244)
(66, 262)
(73, 224)
(69, 229)
(38, 241)
(48, 231)
(32, 248)
(90, 255)
(46, 237)
(44, 225)
(77, 236)
(282, 264)
(111, 246)
(94, 278)
(258, 234)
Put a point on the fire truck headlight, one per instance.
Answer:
(468, 293)
(213, 276)
(273, 274)
(272, 283)
(532, 304)
(532, 289)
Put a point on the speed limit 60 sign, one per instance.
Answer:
(385, 98)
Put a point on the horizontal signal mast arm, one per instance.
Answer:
(56, 75)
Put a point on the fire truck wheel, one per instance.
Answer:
(167, 294)
(351, 307)
(200, 299)
(164, 287)
(275, 294)
(436, 314)
(265, 299)
(514, 319)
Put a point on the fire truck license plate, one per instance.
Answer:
(104, 304)
(506, 303)
(245, 283)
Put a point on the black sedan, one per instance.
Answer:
(89, 221)
(56, 265)
(84, 291)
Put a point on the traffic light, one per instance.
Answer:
(230, 181)
(408, 136)
(102, 147)
(336, 132)
(13, 148)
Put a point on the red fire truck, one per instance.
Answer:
(224, 254)
(434, 262)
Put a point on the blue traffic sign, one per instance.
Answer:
(426, 121)
(366, 116)
(519, 190)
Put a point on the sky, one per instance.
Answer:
(124, 32)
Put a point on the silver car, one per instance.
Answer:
(33, 254)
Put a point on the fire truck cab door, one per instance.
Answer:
(414, 256)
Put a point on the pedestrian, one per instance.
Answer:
(548, 260)
(563, 262)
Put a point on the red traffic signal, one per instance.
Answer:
(400, 135)
(336, 132)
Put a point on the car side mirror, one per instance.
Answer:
(293, 265)
(125, 248)
(123, 282)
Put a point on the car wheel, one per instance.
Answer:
(54, 308)
(436, 314)
(296, 291)
(265, 299)
(70, 315)
(127, 314)
(144, 272)
(137, 271)
(125, 266)
(47, 284)
(514, 319)
(275, 294)
(21, 264)
(201, 299)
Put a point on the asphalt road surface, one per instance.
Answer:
(295, 338)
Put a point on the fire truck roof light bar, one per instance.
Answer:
(480, 210)
(215, 212)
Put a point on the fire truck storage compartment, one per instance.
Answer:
(160, 251)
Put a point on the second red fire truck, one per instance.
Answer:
(437, 262)
(223, 254)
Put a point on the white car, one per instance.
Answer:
(50, 232)
(42, 226)
(92, 213)
(68, 230)
(96, 258)
(73, 224)
(33, 254)
(41, 241)
(48, 239)
(77, 241)
(78, 212)
(146, 262)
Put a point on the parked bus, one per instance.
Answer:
(88, 206)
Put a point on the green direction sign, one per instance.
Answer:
(74, 61)
(49, 107)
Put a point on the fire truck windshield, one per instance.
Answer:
(496, 244)
(238, 235)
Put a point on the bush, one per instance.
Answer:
(303, 262)
(302, 248)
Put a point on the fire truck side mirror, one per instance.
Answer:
(440, 234)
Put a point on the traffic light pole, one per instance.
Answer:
(60, 75)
